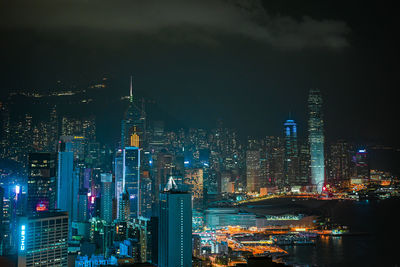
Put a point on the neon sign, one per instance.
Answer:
(41, 207)
(22, 245)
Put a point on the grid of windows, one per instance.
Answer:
(46, 241)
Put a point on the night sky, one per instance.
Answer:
(249, 63)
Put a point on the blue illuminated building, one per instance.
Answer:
(316, 140)
(291, 163)
(67, 182)
(131, 177)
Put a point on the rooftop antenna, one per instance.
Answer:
(131, 91)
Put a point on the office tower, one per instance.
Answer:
(148, 230)
(78, 143)
(339, 163)
(304, 164)
(316, 140)
(226, 184)
(5, 130)
(275, 153)
(164, 167)
(53, 130)
(119, 177)
(89, 128)
(83, 203)
(42, 186)
(362, 165)
(146, 196)
(133, 124)
(67, 183)
(211, 178)
(2, 227)
(291, 163)
(175, 229)
(194, 178)
(43, 240)
(124, 207)
(107, 193)
(253, 170)
(131, 177)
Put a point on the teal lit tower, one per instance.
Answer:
(175, 229)
(316, 140)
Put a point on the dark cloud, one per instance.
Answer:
(178, 21)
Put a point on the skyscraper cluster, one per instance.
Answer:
(134, 201)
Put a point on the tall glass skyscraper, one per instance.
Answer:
(133, 124)
(107, 193)
(175, 229)
(316, 139)
(291, 164)
(131, 177)
(42, 187)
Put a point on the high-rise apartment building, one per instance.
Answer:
(316, 140)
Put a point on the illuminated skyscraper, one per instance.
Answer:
(253, 170)
(42, 186)
(43, 240)
(175, 230)
(67, 182)
(53, 129)
(124, 207)
(316, 139)
(164, 168)
(131, 177)
(339, 163)
(83, 202)
(362, 165)
(194, 177)
(107, 192)
(119, 177)
(275, 157)
(291, 164)
(133, 124)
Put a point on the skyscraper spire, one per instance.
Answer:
(131, 91)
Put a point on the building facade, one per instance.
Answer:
(175, 230)
(316, 140)
(43, 240)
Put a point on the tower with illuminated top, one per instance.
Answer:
(291, 163)
(133, 124)
(316, 140)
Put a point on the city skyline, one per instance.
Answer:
(192, 133)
